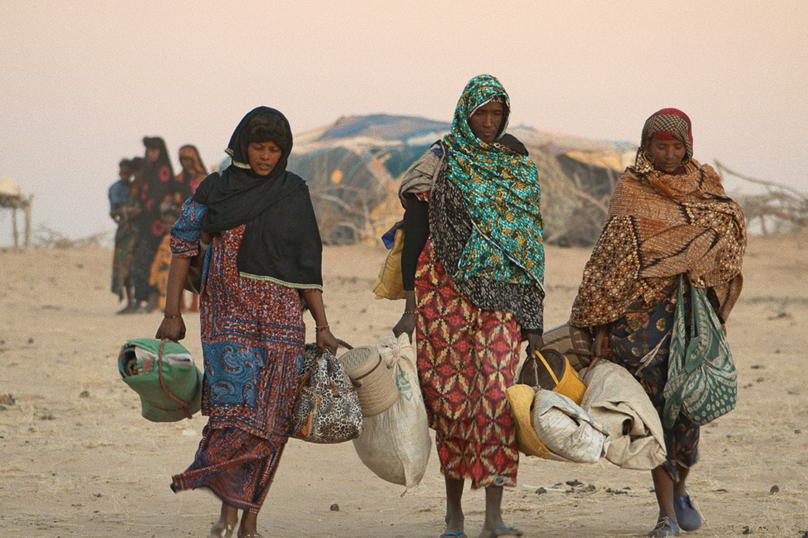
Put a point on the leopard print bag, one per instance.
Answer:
(327, 407)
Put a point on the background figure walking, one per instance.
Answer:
(158, 186)
(192, 173)
(125, 235)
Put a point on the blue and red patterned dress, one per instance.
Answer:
(252, 339)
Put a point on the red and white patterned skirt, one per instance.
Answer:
(467, 357)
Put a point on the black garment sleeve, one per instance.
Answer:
(416, 232)
(513, 144)
(533, 331)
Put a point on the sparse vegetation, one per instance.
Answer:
(44, 237)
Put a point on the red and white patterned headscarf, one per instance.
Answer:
(667, 124)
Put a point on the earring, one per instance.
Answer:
(648, 157)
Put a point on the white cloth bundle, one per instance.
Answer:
(566, 429)
(618, 401)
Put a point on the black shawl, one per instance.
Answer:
(281, 241)
(158, 186)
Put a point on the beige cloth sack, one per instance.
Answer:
(566, 429)
(395, 444)
(617, 400)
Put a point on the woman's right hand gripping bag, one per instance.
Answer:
(395, 444)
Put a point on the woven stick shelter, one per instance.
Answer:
(14, 198)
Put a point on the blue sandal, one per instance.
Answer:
(665, 526)
(453, 534)
(502, 530)
(687, 516)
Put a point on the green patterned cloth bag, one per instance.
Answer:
(702, 381)
(163, 373)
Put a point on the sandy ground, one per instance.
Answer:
(77, 459)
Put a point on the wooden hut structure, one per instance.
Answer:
(14, 198)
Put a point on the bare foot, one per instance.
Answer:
(228, 517)
(454, 509)
(454, 527)
(249, 522)
(222, 529)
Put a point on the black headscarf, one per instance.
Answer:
(158, 186)
(281, 241)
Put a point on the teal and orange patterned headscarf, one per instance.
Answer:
(502, 194)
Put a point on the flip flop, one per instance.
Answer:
(502, 530)
(457, 534)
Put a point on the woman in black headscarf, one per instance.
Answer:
(263, 264)
(158, 186)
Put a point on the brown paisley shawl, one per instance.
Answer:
(661, 225)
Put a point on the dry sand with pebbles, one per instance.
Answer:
(76, 458)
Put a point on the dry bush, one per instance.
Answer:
(44, 237)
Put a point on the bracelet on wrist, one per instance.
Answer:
(321, 328)
(166, 316)
(410, 312)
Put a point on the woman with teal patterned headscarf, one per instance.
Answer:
(502, 194)
(473, 269)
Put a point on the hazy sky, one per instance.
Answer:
(81, 82)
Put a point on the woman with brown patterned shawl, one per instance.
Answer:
(193, 170)
(668, 216)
